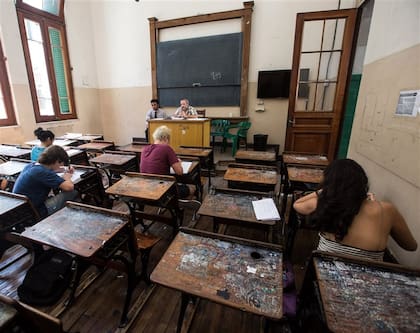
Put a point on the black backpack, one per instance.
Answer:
(48, 278)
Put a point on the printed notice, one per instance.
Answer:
(408, 103)
(265, 210)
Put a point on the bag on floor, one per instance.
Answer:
(47, 279)
(289, 290)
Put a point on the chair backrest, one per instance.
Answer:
(244, 126)
(31, 319)
(219, 125)
(201, 112)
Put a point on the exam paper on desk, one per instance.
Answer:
(265, 209)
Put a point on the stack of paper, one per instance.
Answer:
(265, 209)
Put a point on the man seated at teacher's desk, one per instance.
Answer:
(185, 110)
(154, 113)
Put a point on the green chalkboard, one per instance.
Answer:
(207, 70)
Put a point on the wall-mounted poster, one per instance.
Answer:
(408, 103)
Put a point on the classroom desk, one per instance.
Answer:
(133, 148)
(88, 181)
(185, 132)
(365, 296)
(235, 272)
(232, 120)
(227, 206)
(93, 235)
(10, 170)
(140, 189)
(57, 142)
(252, 177)
(77, 156)
(115, 164)
(256, 157)
(8, 152)
(93, 148)
(203, 153)
(191, 176)
(81, 138)
(304, 159)
(16, 213)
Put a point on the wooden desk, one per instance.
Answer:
(96, 147)
(185, 132)
(57, 142)
(77, 156)
(16, 212)
(193, 176)
(238, 273)
(81, 138)
(232, 120)
(115, 164)
(304, 159)
(140, 189)
(256, 157)
(10, 170)
(304, 174)
(205, 154)
(366, 296)
(13, 167)
(133, 148)
(8, 152)
(252, 177)
(92, 234)
(228, 206)
(88, 182)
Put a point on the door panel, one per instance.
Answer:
(321, 60)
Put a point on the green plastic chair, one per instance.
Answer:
(240, 134)
(218, 128)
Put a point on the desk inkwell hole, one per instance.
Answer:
(256, 255)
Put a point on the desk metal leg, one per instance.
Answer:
(131, 283)
(185, 298)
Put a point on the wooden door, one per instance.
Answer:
(321, 61)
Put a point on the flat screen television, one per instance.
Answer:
(276, 83)
(273, 84)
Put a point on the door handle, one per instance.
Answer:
(291, 122)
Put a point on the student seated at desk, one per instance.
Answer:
(350, 219)
(37, 179)
(185, 110)
(47, 139)
(159, 157)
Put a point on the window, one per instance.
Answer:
(7, 115)
(43, 34)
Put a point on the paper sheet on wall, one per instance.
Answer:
(265, 209)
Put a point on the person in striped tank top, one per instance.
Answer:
(350, 219)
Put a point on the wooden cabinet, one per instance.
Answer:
(185, 132)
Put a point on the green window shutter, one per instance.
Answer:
(60, 74)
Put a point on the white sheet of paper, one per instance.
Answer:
(265, 209)
(185, 167)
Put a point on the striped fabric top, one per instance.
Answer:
(335, 247)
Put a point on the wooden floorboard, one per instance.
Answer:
(98, 308)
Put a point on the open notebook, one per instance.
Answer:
(185, 167)
(265, 209)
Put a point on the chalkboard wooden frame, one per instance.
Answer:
(244, 14)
